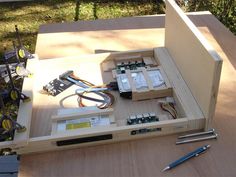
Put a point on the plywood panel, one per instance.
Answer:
(68, 44)
(87, 67)
(197, 61)
(180, 88)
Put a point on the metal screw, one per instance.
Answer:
(211, 131)
(214, 136)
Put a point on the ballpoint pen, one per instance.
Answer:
(188, 156)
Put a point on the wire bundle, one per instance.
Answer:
(105, 98)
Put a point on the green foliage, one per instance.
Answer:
(226, 13)
(30, 15)
(224, 10)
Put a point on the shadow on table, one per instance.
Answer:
(200, 19)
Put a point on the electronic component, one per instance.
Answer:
(113, 86)
(142, 118)
(124, 86)
(83, 122)
(144, 130)
(139, 81)
(69, 76)
(168, 106)
(130, 65)
(84, 140)
(57, 86)
(156, 78)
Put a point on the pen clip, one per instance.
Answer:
(203, 151)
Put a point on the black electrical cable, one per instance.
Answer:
(106, 101)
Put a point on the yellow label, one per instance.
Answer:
(14, 95)
(71, 126)
(7, 124)
(21, 53)
(17, 68)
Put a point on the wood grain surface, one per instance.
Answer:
(86, 67)
(148, 156)
(196, 59)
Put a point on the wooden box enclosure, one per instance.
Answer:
(189, 65)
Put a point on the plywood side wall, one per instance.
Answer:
(198, 63)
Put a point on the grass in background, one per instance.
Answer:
(30, 15)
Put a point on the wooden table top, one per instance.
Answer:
(145, 157)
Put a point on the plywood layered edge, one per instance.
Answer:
(197, 61)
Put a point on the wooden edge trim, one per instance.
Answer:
(87, 132)
(131, 81)
(48, 143)
(147, 79)
(25, 109)
(215, 89)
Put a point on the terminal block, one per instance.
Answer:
(142, 118)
